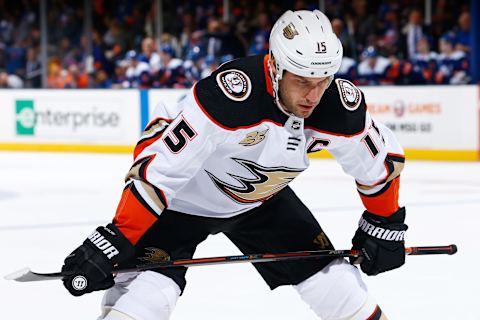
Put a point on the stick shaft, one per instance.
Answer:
(270, 257)
(25, 275)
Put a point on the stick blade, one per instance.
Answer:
(26, 275)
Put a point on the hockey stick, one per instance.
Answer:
(26, 275)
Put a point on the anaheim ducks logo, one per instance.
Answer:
(349, 94)
(289, 31)
(235, 84)
(266, 182)
(155, 255)
(253, 138)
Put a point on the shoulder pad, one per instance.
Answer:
(341, 110)
(235, 94)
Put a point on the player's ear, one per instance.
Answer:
(271, 61)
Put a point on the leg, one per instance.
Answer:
(151, 295)
(282, 224)
(332, 287)
(140, 296)
(338, 293)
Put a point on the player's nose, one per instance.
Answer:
(314, 94)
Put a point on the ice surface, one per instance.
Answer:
(49, 202)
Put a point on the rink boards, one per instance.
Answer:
(431, 122)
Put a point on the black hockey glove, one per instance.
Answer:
(381, 241)
(91, 264)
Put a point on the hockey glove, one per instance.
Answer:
(91, 264)
(381, 242)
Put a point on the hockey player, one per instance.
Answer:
(221, 160)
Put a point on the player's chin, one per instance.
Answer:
(304, 111)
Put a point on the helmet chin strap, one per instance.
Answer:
(275, 86)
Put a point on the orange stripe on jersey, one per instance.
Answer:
(266, 70)
(145, 144)
(391, 166)
(376, 315)
(384, 203)
(159, 124)
(132, 218)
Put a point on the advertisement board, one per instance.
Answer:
(77, 117)
(431, 122)
(440, 117)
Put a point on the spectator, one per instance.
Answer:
(65, 52)
(115, 34)
(15, 60)
(172, 74)
(362, 24)
(196, 46)
(211, 64)
(412, 32)
(389, 32)
(348, 69)
(80, 79)
(58, 78)
(202, 40)
(33, 69)
(187, 29)
(150, 55)
(259, 43)
(10, 81)
(244, 26)
(373, 69)
(7, 27)
(102, 81)
(424, 64)
(462, 35)
(194, 64)
(452, 64)
(215, 38)
(120, 79)
(138, 72)
(98, 53)
(346, 39)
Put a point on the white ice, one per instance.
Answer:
(49, 202)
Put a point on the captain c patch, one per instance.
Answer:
(235, 84)
(349, 94)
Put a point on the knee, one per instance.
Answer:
(147, 296)
(336, 292)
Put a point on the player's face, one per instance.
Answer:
(300, 95)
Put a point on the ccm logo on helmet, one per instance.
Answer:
(103, 244)
(320, 63)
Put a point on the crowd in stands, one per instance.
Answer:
(385, 42)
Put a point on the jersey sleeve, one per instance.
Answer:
(169, 153)
(375, 159)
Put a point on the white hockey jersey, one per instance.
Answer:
(226, 147)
